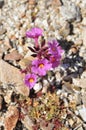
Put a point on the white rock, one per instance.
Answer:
(59, 92)
(84, 35)
(83, 75)
(82, 113)
(84, 21)
(37, 87)
(80, 128)
(45, 86)
(76, 112)
(20, 49)
(45, 24)
(69, 11)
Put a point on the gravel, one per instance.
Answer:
(62, 20)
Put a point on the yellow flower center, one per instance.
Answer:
(31, 80)
(41, 65)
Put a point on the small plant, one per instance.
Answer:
(47, 56)
(45, 112)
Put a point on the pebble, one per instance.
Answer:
(68, 87)
(84, 98)
(83, 36)
(45, 86)
(82, 113)
(7, 97)
(13, 55)
(83, 75)
(60, 19)
(84, 21)
(80, 128)
(78, 98)
(13, 76)
(70, 11)
(56, 3)
(71, 122)
(59, 92)
(1, 3)
(27, 123)
(1, 101)
(65, 29)
(37, 87)
(80, 82)
(2, 29)
(11, 118)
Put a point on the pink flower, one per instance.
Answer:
(34, 33)
(41, 66)
(55, 52)
(30, 80)
(55, 61)
(54, 48)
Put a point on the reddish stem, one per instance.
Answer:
(36, 43)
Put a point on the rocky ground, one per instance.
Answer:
(65, 21)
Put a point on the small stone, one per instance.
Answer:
(83, 75)
(84, 35)
(27, 123)
(1, 53)
(25, 62)
(14, 55)
(43, 125)
(56, 3)
(80, 128)
(2, 29)
(7, 97)
(37, 87)
(80, 82)
(70, 11)
(78, 98)
(82, 113)
(84, 21)
(11, 118)
(71, 122)
(7, 42)
(45, 86)
(20, 49)
(31, 4)
(76, 112)
(73, 50)
(65, 29)
(84, 98)
(1, 101)
(82, 52)
(68, 87)
(12, 75)
(58, 76)
(59, 92)
(66, 103)
(1, 3)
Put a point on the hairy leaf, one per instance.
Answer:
(31, 49)
(34, 55)
(36, 48)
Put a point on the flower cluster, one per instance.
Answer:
(47, 56)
